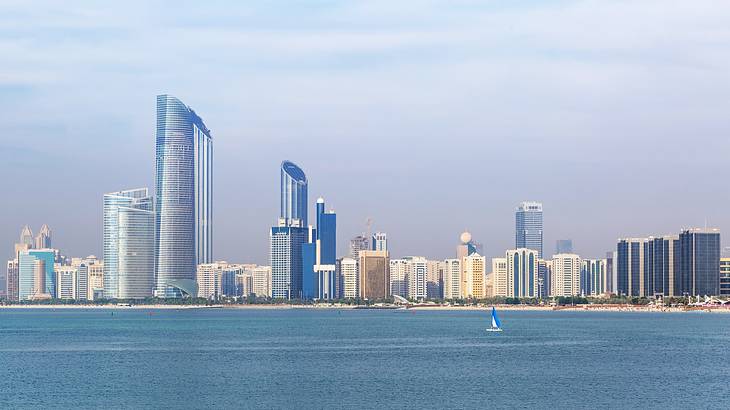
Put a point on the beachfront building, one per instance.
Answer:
(566, 273)
(452, 278)
(374, 275)
(473, 272)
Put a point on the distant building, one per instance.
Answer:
(380, 241)
(499, 277)
(611, 272)
(544, 278)
(262, 281)
(563, 246)
(452, 279)
(357, 244)
(700, 261)
(725, 277)
(208, 277)
(529, 227)
(594, 277)
(67, 282)
(319, 256)
(10, 287)
(128, 244)
(417, 268)
(566, 270)
(661, 266)
(26, 237)
(473, 273)
(434, 280)
(286, 261)
(349, 278)
(467, 246)
(36, 275)
(522, 273)
(399, 272)
(43, 239)
(630, 266)
(374, 275)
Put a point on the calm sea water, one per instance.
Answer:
(374, 359)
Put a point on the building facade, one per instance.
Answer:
(380, 241)
(374, 275)
(522, 273)
(472, 277)
(566, 275)
(528, 227)
(349, 278)
(183, 207)
(594, 277)
(293, 195)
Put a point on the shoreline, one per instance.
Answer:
(581, 308)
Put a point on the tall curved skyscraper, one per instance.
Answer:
(183, 227)
(293, 196)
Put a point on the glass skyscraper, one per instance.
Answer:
(129, 243)
(700, 262)
(528, 227)
(183, 195)
(293, 196)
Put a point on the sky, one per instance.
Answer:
(429, 117)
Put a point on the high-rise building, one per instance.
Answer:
(357, 244)
(725, 277)
(43, 239)
(184, 230)
(452, 279)
(417, 268)
(36, 275)
(522, 273)
(348, 277)
(472, 276)
(26, 237)
(594, 277)
(499, 277)
(399, 271)
(661, 266)
(374, 275)
(286, 261)
(293, 196)
(11, 275)
(319, 256)
(66, 282)
(380, 241)
(129, 244)
(262, 281)
(700, 262)
(208, 277)
(563, 246)
(566, 270)
(528, 227)
(544, 269)
(610, 272)
(467, 246)
(435, 280)
(630, 266)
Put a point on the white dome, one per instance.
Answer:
(465, 237)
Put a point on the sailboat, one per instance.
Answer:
(496, 324)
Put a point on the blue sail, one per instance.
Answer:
(495, 320)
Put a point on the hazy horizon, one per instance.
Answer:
(428, 117)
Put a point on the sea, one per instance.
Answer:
(330, 358)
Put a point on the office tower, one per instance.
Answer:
(528, 227)
(661, 266)
(399, 277)
(566, 275)
(319, 256)
(563, 246)
(417, 272)
(66, 282)
(452, 279)
(544, 278)
(700, 262)
(347, 271)
(435, 280)
(522, 267)
(467, 246)
(357, 244)
(293, 196)
(499, 277)
(208, 277)
(286, 261)
(725, 277)
(11, 280)
(610, 277)
(374, 275)
(48, 256)
(43, 240)
(235, 281)
(262, 281)
(630, 266)
(26, 237)
(183, 204)
(473, 272)
(129, 244)
(594, 277)
(82, 282)
(380, 241)
(32, 275)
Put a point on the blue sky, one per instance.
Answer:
(427, 116)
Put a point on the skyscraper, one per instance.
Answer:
(700, 262)
(380, 241)
(374, 275)
(293, 196)
(43, 239)
(528, 227)
(347, 271)
(129, 243)
(184, 234)
(357, 244)
(26, 237)
(319, 256)
(594, 277)
(473, 275)
(630, 266)
(522, 273)
(452, 279)
(399, 277)
(566, 273)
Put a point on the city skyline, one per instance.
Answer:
(366, 94)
